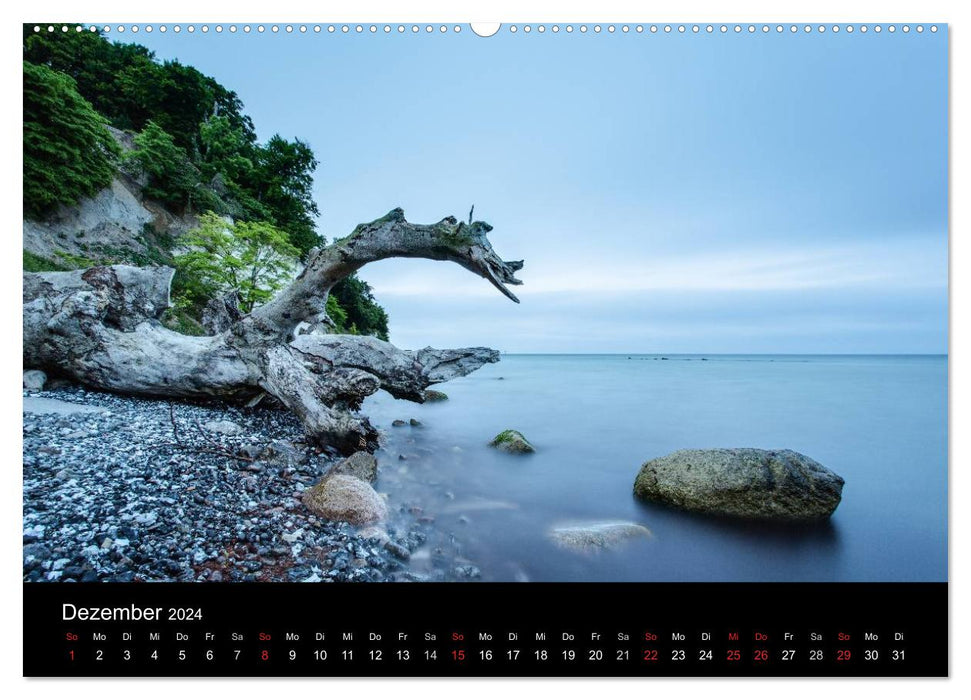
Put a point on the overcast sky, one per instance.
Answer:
(669, 193)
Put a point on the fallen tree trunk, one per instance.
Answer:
(101, 327)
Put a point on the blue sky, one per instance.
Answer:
(669, 193)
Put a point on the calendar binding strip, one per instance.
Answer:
(520, 29)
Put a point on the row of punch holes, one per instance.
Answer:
(512, 28)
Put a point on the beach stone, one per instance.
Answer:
(398, 550)
(587, 538)
(282, 453)
(250, 451)
(346, 498)
(34, 380)
(224, 427)
(432, 396)
(362, 464)
(779, 485)
(512, 441)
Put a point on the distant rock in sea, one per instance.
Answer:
(512, 441)
(775, 485)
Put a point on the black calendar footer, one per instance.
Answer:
(486, 629)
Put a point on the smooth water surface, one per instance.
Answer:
(878, 421)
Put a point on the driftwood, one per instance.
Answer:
(100, 326)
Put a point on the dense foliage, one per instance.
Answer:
(362, 312)
(68, 152)
(253, 259)
(194, 149)
(170, 177)
(127, 85)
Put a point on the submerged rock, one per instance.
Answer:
(346, 498)
(432, 396)
(478, 504)
(397, 422)
(362, 465)
(780, 485)
(511, 441)
(588, 538)
(34, 380)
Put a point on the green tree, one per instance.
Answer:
(185, 99)
(283, 183)
(253, 259)
(225, 150)
(68, 152)
(364, 315)
(171, 177)
(334, 310)
(226, 161)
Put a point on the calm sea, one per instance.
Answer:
(878, 421)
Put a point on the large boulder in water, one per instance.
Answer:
(347, 498)
(780, 485)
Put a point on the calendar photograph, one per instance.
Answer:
(522, 304)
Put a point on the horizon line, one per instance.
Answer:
(716, 354)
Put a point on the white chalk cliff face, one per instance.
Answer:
(114, 218)
(109, 225)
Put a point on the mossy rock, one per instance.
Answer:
(512, 441)
(432, 396)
